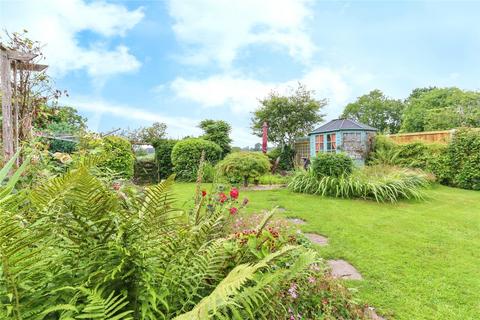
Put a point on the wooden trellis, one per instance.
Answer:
(11, 62)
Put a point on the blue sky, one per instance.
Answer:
(129, 63)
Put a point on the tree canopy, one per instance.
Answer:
(376, 110)
(288, 116)
(146, 135)
(217, 131)
(429, 109)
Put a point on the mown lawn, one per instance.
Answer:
(419, 260)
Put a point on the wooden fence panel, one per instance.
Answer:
(429, 137)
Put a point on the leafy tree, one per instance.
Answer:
(288, 117)
(257, 147)
(376, 110)
(217, 131)
(430, 109)
(146, 135)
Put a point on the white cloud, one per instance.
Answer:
(177, 127)
(57, 24)
(215, 30)
(241, 94)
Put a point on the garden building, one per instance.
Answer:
(342, 135)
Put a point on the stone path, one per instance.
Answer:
(264, 187)
(296, 221)
(341, 269)
(317, 239)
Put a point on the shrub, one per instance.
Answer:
(240, 166)
(163, 156)
(382, 184)
(186, 156)
(286, 161)
(119, 156)
(332, 165)
(463, 159)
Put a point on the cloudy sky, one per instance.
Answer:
(130, 63)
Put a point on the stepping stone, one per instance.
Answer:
(341, 269)
(370, 313)
(317, 239)
(296, 220)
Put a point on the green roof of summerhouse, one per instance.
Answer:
(343, 125)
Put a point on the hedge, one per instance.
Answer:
(163, 156)
(120, 157)
(186, 156)
(456, 164)
(332, 165)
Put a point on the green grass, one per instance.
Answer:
(419, 259)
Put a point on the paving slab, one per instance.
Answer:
(341, 269)
(317, 239)
(296, 220)
(371, 313)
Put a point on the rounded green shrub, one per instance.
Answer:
(240, 166)
(463, 158)
(186, 156)
(163, 156)
(332, 165)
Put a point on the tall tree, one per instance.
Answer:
(376, 110)
(430, 109)
(146, 135)
(217, 131)
(288, 116)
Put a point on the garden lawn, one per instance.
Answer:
(419, 260)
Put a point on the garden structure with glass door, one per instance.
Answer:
(342, 135)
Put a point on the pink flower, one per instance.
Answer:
(311, 279)
(234, 193)
(293, 291)
(233, 211)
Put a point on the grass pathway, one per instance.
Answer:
(419, 260)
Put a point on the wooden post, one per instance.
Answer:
(7, 128)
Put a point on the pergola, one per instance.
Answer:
(11, 62)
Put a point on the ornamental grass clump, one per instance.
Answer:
(379, 183)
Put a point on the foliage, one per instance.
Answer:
(146, 135)
(376, 110)
(288, 117)
(462, 159)
(240, 166)
(186, 156)
(441, 109)
(77, 249)
(332, 165)
(163, 156)
(217, 131)
(116, 154)
(285, 158)
(382, 184)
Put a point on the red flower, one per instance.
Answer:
(233, 211)
(223, 197)
(234, 193)
(204, 193)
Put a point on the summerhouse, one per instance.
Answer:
(342, 135)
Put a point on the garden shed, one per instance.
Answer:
(342, 135)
